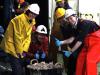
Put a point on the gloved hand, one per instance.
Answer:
(36, 56)
(24, 54)
(58, 43)
(19, 55)
(43, 55)
(67, 53)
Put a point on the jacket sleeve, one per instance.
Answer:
(30, 53)
(46, 45)
(17, 36)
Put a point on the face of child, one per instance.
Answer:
(40, 37)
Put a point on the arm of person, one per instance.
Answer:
(17, 36)
(82, 34)
(68, 41)
(46, 45)
(76, 46)
(59, 43)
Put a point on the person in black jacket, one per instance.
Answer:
(67, 32)
(86, 33)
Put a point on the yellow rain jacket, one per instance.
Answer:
(18, 35)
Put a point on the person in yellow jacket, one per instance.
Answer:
(17, 37)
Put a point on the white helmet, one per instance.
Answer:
(69, 12)
(41, 29)
(34, 8)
